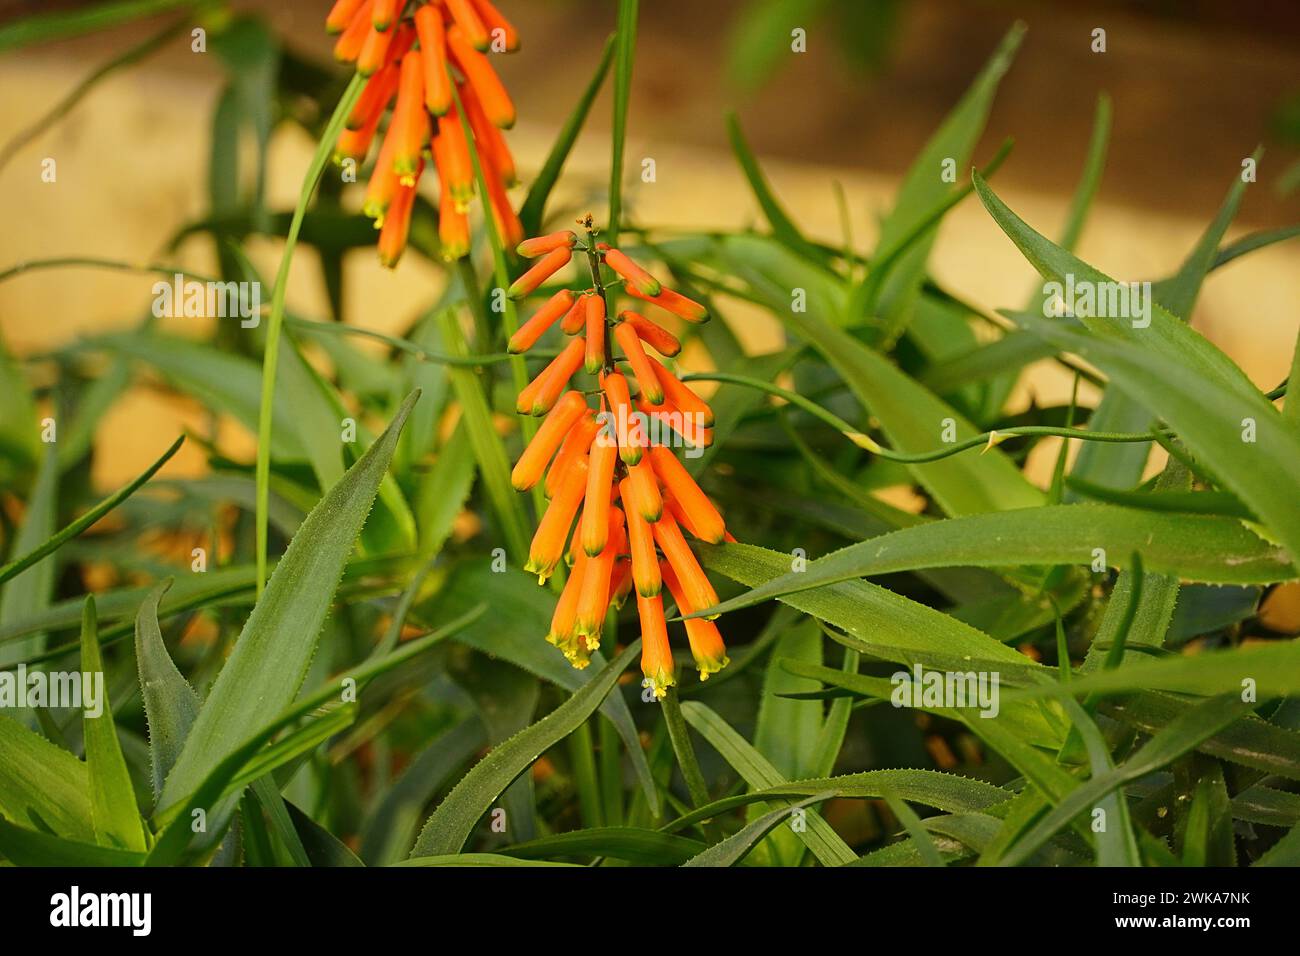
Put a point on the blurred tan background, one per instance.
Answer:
(1195, 88)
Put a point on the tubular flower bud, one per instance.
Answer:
(341, 14)
(641, 544)
(563, 633)
(397, 223)
(544, 391)
(636, 277)
(553, 530)
(705, 521)
(380, 37)
(575, 320)
(594, 308)
(695, 586)
(656, 654)
(652, 334)
(680, 306)
(631, 441)
(677, 392)
(353, 36)
(575, 447)
(532, 330)
(543, 269)
(453, 228)
(465, 16)
(503, 37)
(620, 584)
(433, 41)
(595, 509)
(498, 106)
(642, 494)
(630, 343)
(706, 641)
(532, 248)
(532, 463)
(593, 600)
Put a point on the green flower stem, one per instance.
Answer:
(988, 439)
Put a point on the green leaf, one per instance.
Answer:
(493, 464)
(24, 847)
(273, 651)
(170, 703)
(70, 531)
(924, 186)
(733, 849)
(759, 773)
(1185, 733)
(29, 582)
(323, 848)
(451, 824)
(783, 227)
(1205, 548)
(41, 785)
(112, 798)
(635, 845)
(61, 24)
(911, 416)
(474, 859)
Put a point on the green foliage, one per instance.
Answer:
(373, 603)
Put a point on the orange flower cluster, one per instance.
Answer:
(611, 478)
(414, 60)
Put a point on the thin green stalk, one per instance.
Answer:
(271, 353)
(682, 747)
(624, 52)
(611, 771)
(988, 439)
(581, 753)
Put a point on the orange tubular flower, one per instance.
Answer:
(433, 41)
(624, 530)
(544, 391)
(553, 530)
(498, 106)
(640, 537)
(706, 641)
(466, 16)
(380, 37)
(543, 319)
(677, 304)
(704, 520)
(532, 463)
(630, 442)
(540, 246)
(695, 585)
(600, 479)
(504, 37)
(656, 653)
(655, 336)
(341, 14)
(637, 277)
(576, 446)
(547, 266)
(595, 322)
(593, 600)
(575, 320)
(630, 343)
(392, 237)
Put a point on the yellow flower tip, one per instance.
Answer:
(863, 441)
(660, 682)
(407, 179)
(709, 666)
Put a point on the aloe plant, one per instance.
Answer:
(350, 668)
